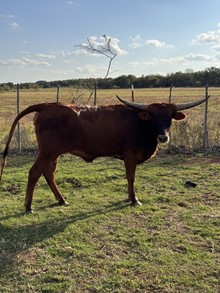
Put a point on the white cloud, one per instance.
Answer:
(45, 56)
(197, 57)
(145, 63)
(186, 58)
(212, 37)
(22, 62)
(10, 16)
(34, 62)
(115, 47)
(157, 44)
(216, 47)
(9, 19)
(11, 63)
(136, 42)
(86, 69)
(66, 53)
(179, 59)
(104, 44)
(91, 70)
(209, 37)
(68, 61)
(76, 4)
(14, 25)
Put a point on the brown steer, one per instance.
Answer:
(130, 132)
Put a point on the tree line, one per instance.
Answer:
(189, 78)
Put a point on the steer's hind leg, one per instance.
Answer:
(34, 174)
(50, 178)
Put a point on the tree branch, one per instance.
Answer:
(105, 50)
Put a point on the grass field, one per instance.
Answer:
(99, 243)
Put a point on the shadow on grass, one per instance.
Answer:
(17, 239)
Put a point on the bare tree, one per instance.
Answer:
(106, 49)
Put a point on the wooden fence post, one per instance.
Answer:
(132, 93)
(205, 133)
(58, 91)
(95, 94)
(170, 96)
(18, 126)
(170, 100)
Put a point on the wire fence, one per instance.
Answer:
(200, 131)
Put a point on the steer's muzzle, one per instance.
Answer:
(163, 138)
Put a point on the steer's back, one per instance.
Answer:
(83, 130)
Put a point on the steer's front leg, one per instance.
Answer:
(130, 167)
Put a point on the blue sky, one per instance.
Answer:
(38, 39)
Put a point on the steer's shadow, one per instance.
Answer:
(14, 240)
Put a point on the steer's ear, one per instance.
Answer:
(178, 116)
(144, 115)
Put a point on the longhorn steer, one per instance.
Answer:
(130, 132)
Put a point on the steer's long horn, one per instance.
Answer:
(138, 106)
(185, 106)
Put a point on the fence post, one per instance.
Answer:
(18, 126)
(132, 93)
(170, 99)
(95, 94)
(170, 96)
(205, 134)
(58, 91)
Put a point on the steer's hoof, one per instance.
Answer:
(63, 203)
(135, 203)
(29, 211)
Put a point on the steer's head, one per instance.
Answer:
(161, 115)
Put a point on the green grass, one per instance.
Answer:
(99, 243)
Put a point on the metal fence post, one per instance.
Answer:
(205, 134)
(18, 126)
(170, 135)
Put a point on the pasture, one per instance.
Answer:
(186, 135)
(99, 243)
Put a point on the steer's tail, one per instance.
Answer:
(34, 108)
